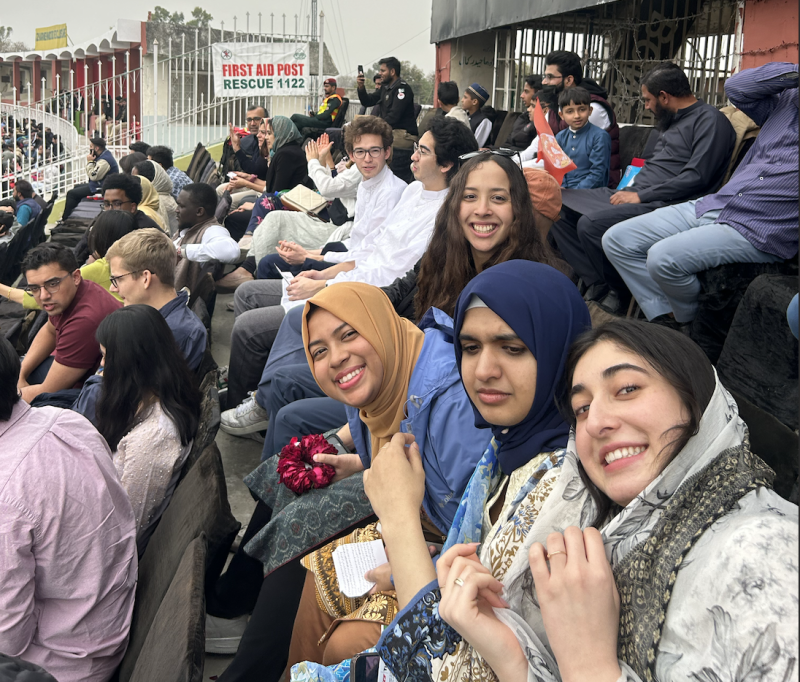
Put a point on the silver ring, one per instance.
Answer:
(458, 582)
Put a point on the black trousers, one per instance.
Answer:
(74, 197)
(236, 224)
(264, 649)
(586, 216)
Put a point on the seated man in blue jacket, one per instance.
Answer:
(588, 146)
(752, 219)
(29, 205)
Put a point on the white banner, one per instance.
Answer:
(244, 69)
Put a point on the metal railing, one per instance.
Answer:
(620, 41)
(177, 107)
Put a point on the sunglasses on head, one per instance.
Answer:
(503, 151)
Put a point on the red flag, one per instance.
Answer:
(556, 162)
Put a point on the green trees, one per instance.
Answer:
(420, 83)
(200, 18)
(8, 45)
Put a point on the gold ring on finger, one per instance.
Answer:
(458, 582)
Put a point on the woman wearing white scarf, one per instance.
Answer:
(167, 208)
(694, 578)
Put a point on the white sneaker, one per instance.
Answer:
(249, 417)
(224, 634)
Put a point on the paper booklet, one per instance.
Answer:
(303, 199)
(285, 302)
(352, 561)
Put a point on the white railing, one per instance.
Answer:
(176, 107)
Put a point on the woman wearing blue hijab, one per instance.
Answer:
(514, 324)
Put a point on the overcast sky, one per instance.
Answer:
(356, 31)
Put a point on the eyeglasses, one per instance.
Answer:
(503, 151)
(254, 119)
(374, 152)
(550, 77)
(51, 285)
(116, 205)
(115, 280)
(422, 151)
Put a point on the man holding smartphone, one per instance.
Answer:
(99, 163)
(396, 101)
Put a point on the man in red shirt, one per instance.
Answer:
(64, 351)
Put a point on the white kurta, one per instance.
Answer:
(400, 241)
(375, 202)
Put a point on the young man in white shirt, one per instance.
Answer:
(201, 239)
(392, 250)
(377, 193)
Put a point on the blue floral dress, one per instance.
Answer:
(418, 645)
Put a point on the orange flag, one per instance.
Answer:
(556, 162)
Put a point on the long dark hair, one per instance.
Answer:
(108, 228)
(143, 359)
(447, 265)
(674, 356)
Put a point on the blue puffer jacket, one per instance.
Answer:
(441, 418)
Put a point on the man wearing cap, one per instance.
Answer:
(327, 110)
(472, 102)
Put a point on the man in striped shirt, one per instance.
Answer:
(751, 219)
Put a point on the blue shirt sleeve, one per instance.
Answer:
(416, 636)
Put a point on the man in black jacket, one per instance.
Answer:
(396, 101)
(689, 161)
(524, 132)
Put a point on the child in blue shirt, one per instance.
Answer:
(586, 144)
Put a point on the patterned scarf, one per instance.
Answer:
(648, 540)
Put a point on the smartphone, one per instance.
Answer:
(232, 175)
(364, 667)
(360, 70)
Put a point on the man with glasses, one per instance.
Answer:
(99, 163)
(253, 118)
(64, 351)
(122, 192)
(142, 266)
(563, 70)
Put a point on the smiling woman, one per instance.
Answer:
(634, 408)
(487, 218)
(515, 323)
(684, 574)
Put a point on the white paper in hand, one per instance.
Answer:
(285, 302)
(353, 561)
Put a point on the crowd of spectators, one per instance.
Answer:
(562, 492)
